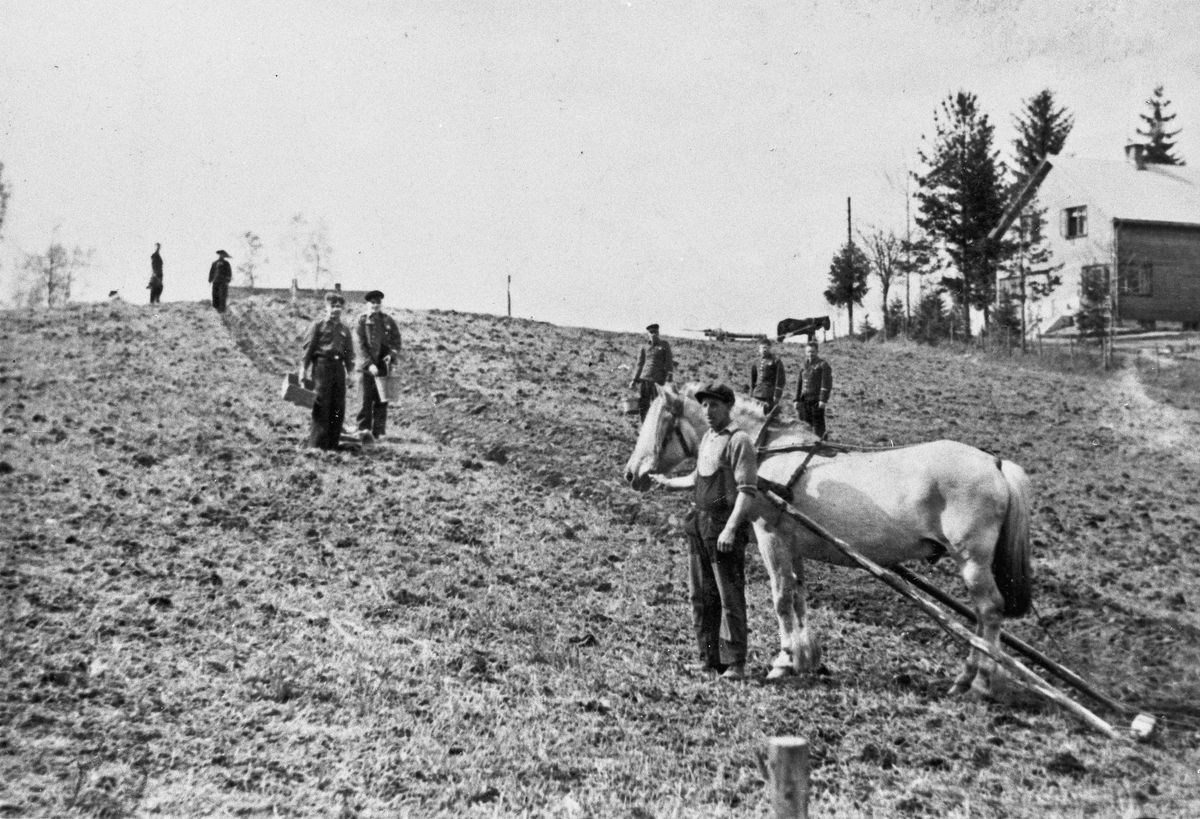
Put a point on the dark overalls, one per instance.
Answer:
(717, 580)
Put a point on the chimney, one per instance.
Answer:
(1135, 152)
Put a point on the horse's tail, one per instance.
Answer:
(1011, 561)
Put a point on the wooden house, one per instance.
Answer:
(1138, 220)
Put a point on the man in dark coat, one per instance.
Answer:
(725, 481)
(156, 274)
(654, 367)
(220, 275)
(767, 376)
(329, 356)
(813, 390)
(379, 346)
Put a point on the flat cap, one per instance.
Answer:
(374, 295)
(721, 392)
(335, 298)
(652, 328)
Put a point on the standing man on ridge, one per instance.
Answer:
(156, 275)
(654, 367)
(220, 275)
(379, 342)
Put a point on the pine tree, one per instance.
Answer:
(848, 280)
(961, 198)
(1162, 144)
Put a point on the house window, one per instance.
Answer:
(1074, 222)
(1095, 277)
(1135, 279)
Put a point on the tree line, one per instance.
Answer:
(962, 191)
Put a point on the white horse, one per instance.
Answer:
(893, 505)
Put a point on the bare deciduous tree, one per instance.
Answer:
(311, 249)
(248, 269)
(884, 250)
(48, 278)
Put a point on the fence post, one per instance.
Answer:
(787, 761)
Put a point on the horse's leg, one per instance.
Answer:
(798, 651)
(980, 671)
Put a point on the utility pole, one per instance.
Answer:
(849, 232)
(510, 297)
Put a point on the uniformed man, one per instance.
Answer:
(220, 274)
(379, 348)
(813, 389)
(725, 481)
(654, 367)
(767, 376)
(329, 356)
(156, 274)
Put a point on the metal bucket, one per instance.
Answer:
(629, 406)
(388, 387)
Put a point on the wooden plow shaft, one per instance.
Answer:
(951, 627)
(1017, 644)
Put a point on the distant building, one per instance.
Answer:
(1137, 219)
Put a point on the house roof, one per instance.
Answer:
(1159, 193)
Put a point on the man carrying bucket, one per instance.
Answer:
(329, 353)
(379, 343)
(726, 483)
(654, 367)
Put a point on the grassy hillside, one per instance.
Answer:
(476, 617)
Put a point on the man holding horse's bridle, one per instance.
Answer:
(726, 484)
(655, 367)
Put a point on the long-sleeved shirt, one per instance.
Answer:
(655, 363)
(156, 269)
(378, 336)
(767, 379)
(816, 381)
(329, 339)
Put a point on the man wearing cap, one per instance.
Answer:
(379, 346)
(220, 275)
(329, 355)
(767, 376)
(813, 389)
(725, 481)
(654, 367)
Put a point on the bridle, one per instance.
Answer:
(674, 429)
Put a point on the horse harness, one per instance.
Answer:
(688, 452)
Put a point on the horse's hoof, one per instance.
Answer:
(958, 689)
(779, 673)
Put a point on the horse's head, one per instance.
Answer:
(666, 438)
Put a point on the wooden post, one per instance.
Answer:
(787, 761)
(509, 294)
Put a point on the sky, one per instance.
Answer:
(685, 162)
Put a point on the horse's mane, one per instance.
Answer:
(748, 415)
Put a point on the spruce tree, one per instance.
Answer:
(1042, 129)
(962, 197)
(848, 279)
(1161, 143)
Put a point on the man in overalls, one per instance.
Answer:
(725, 481)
